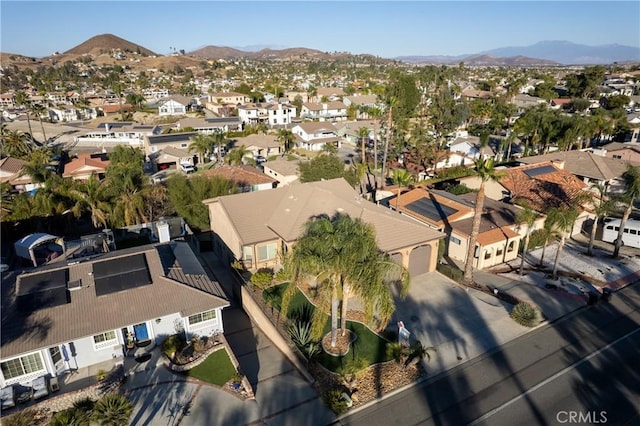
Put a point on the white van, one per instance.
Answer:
(630, 236)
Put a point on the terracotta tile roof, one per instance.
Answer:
(582, 163)
(84, 164)
(11, 165)
(555, 188)
(435, 199)
(88, 314)
(241, 175)
(317, 126)
(495, 235)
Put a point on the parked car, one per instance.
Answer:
(259, 159)
(187, 168)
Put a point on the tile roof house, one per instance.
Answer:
(10, 168)
(174, 105)
(257, 227)
(621, 151)
(210, 126)
(313, 135)
(63, 316)
(283, 171)
(498, 240)
(86, 165)
(246, 177)
(265, 145)
(326, 111)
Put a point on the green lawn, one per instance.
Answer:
(216, 369)
(369, 346)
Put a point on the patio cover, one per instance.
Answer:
(24, 247)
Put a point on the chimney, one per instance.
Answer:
(558, 163)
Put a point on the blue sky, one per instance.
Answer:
(384, 28)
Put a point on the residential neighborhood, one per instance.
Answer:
(275, 236)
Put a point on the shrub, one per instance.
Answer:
(262, 278)
(70, 417)
(173, 344)
(537, 239)
(335, 401)
(112, 409)
(21, 418)
(525, 314)
(198, 344)
(459, 189)
(300, 332)
(450, 271)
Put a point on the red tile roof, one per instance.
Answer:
(84, 161)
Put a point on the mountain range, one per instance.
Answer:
(560, 52)
(544, 53)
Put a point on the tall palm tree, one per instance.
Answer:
(286, 138)
(363, 133)
(527, 216)
(548, 232)
(201, 144)
(485, 171)
(16, 144)
(113, 409)
(563, 220)
(630, 196)
(601, 207)
(401, 178)
(39, 110)
(391, 102)
(22, 99)
(375, 113)
(343, 256)
(219, 139)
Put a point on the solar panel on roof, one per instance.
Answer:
(537, 171)
(430, 209)
(43, 290)
(121, 274)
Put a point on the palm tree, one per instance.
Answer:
(343, 256)
(16, 144)
(375, 113)
(219, 139)
(630, 196)
(527, 216)
(563, 220)
(201, 144)
(112, 410)
(548, 232)
(363, 133)
(39, 110)
(91, 196)
(401, 178)
(601, 207)
(486, 172)
(392, 101)
(286, 138)
(236, 155)
(22, 99)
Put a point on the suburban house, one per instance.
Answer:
(118, 133)
(283, 171)
(349, 130)
(109, 110)
(587, 166)
(174, 105)
(470, 147)
(499, 236)
(620, 151)
(326, 111)
(313, 135)
(87, 165)
(523, 102)
(258, 144)
(157, 143)
(71, 113)
(154, 93)
(8, 100)
(209, 126)
(228, 98)
(271, 114)
(66, 316)
(330, 93)
(10, 168)
(541, 186)
(246, 177)
(257, 228)
(170, 157)
(359, 102)
(471, 94)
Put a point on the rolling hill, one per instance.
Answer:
(107, 42)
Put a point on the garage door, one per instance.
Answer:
(419, 260)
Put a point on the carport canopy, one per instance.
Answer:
(24, 247)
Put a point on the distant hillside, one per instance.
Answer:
(218, 52)
(477, 60)
(569, 53)
(107, 42)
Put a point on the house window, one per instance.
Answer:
(202, 317)
(511, 246)
(487, 255)
(455, 240)
(184, 145)
(618, 157)
(22, 366)
(499, 252)
(267, 252)
(104, 340)
(247, 253)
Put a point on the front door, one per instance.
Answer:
(58, 360)
(141, 332)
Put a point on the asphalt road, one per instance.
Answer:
(584, 365)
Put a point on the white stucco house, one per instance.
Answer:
(313, 135)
